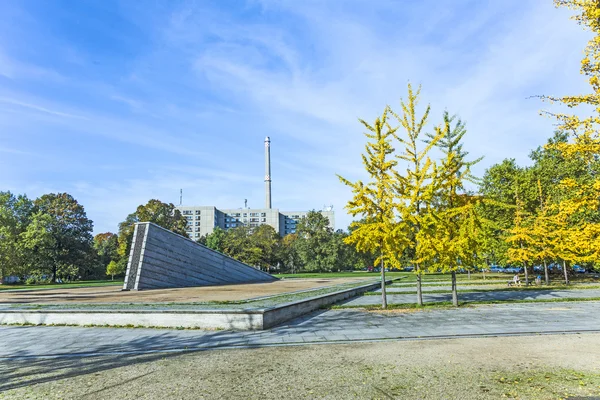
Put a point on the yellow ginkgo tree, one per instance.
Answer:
(521, 239)
(375, 201)
(417, 180)
(542, 232)
(451, 236)
(584, 134)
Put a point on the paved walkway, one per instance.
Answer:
(429, 288)
(547, 294)
(321, 327)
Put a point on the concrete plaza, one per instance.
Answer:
(320, 327)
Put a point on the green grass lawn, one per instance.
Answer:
(75, 284)
(474, 278)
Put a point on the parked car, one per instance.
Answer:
(496, 268)
(578, 269)
(555, 267)
(513, 270)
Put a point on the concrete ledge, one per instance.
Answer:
(207, 319)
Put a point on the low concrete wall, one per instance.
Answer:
(226, 319)
(207, 319)
(277, 315)
(161, 259)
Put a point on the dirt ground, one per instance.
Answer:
(113, 294)
(533, 367)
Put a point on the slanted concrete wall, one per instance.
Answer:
(160, 258)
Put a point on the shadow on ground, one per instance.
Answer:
(468, 297)
(25, 368)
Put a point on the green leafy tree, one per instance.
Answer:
(266, 239)
(15, 215)
(162, 214)
(59, 237)
(239, 245)
(313, 243)
(288, 255)
(106, 246)
(39, 246)
(215, 239)
(114, 268)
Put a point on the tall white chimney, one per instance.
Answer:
(268, 172)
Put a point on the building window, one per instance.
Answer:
(264, 220)
(263, 214)
(245, 214)
(197, 223)
(187, 212)
(197, 229)
(226, 225)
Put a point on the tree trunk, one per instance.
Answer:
(419, 290)
(112, 277)
(54, 270)
(565, 272)
(546, 275)
(526, 274)
(454, 291)
(469, 273)
(383, 293)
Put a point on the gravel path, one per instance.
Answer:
(547, 367)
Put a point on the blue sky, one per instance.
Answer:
(118, 102)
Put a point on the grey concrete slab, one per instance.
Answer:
(160, 258)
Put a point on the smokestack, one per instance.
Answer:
(268, 172)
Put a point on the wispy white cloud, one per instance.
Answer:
(40, 108)
(190, 107)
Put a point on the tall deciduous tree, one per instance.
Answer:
(107, 247)
(59, 238)
(313, 245)
(521, 239)
(416, 186)
(453, 231)
(376, 200)
(216, 239)
(15, 215)
(162, 214)
(583, 131)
